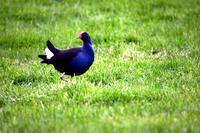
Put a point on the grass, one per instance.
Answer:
(145, 77)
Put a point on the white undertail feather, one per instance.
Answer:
(49, 54)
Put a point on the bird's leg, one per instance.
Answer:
(62, 76)
(74, 78)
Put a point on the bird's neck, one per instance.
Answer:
(87, 42)
(87, 46)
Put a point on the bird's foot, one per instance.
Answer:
(62, 77)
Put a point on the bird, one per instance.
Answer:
(74, 61)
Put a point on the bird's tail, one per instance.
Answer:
(52, 48)
(50, 52)
(45, 60)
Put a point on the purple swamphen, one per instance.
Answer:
(74, 61)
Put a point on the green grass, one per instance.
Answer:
(145, 78)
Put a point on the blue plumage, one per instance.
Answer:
(74, 61)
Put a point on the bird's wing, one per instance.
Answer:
(64, 57)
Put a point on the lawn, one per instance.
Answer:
(145, 78)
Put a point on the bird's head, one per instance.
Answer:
(83, 36)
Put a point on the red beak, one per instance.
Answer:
(79, 36)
